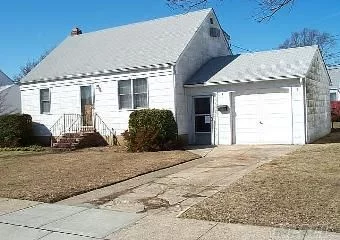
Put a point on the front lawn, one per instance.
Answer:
(300, 190)
(50, 177)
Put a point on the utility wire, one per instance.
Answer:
(244, 49)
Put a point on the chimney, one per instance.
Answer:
(76, 31)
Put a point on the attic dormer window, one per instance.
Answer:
(211, 21)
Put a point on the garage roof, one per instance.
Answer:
(257, 66)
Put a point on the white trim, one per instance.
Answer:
(132, 93)
(251, 80)
(128, 70)
(303, 82)
(98, 79)
(210, 96)
(41, 101)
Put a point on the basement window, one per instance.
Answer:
(133, 94)
(45, 101)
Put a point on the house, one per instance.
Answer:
(9, 95)
(334, 73)
(183, 63)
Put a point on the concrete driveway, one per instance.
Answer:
(174, 192)
(147, 207)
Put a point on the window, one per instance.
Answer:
(45, 101)
(133, 94)
(211, 21)
(215, 32)
(333, 96)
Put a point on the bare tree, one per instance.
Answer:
(266, 8)
(30, 64)
(308, 37)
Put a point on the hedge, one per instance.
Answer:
(151, 130)
(15, 130)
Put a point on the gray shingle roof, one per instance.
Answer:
(4, 79)
(266, 65)
(157, 41)
(334, 73)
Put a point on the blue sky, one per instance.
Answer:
(28, 28)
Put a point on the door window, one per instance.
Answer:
(86, 105)
(202, 115)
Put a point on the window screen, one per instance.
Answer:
(133, 94)
(140, 93)
(124, 91)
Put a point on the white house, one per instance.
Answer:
(334, 73)
(182, 63)
(9, 96)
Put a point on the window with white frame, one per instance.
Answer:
(45, 101)
(133, 94)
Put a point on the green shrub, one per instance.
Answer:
(151, 130)
(15, 130)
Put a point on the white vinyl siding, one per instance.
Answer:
(45, 101)
(65, 98)
(133, 94)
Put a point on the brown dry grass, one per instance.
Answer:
(301, 191)
(50, 177)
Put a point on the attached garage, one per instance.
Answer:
(263, 117)
(272, 97)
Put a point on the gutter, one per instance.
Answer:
(102, 73)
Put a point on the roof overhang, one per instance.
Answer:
(102, 73)
(236, 81)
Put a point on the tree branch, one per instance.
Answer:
(187, 4)
(267, 8)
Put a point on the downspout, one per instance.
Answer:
(303, 82)
(174, 86)
(292, 113)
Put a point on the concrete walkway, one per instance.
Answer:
(149, 206)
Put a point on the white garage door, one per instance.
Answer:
(263, 117)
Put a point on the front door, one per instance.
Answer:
(202, 123)
(86, 105)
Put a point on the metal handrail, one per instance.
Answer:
(71, 129)
(107, 133)
(72, 123)
(62, 125)
(55, 124)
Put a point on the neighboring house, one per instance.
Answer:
(334, 73)
(9, 96)
(182, 63)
